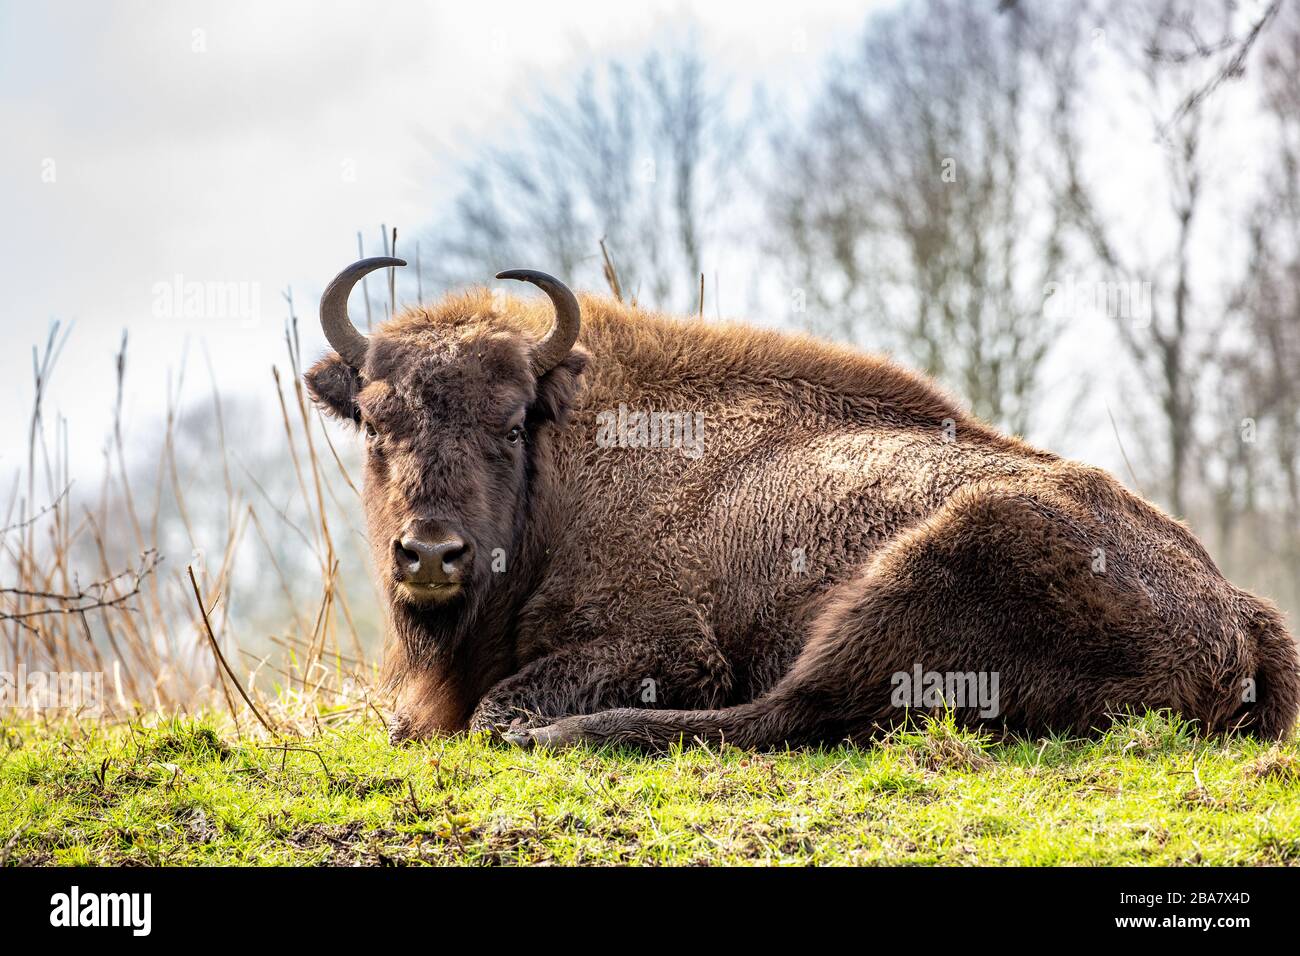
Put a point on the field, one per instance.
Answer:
(156, 600)
(192, 791)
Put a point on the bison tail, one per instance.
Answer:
(1271, 715)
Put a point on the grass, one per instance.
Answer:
(185, 791)
(82, 591)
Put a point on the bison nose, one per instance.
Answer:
(431, 559)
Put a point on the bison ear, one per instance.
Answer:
(333, 385)
(557, 389)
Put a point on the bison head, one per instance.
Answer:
(456, 405)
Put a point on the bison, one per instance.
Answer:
(594, 523)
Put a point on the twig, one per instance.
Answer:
(12, 842)
(221, 658)
(286, 749)
(611, 273)
(1128, 464)
(40, 514)
(94, 593)
(1233, 69)
(392, 277)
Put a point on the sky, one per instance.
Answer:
(241, 145)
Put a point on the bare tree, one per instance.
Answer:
(1251, 462)
(919, 201)
(644, 159)
(1167, 49)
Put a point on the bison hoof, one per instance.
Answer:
(399, 730)
(544, 738)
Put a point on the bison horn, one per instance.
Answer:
(550, 351)
(341, 334)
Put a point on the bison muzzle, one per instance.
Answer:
(841, 545)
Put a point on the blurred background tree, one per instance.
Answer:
(643, 157)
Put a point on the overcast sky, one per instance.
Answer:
(247, 142)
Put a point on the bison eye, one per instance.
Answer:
(370, 431)
(515, 435)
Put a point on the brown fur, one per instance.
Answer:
(927, 539)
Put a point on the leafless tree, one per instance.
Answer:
(644, 158)
(1167, 49)
(1251, 462)
(919, 204)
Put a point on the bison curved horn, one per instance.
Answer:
(550, 351)
(341, 334)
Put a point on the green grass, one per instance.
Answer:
(187, 792)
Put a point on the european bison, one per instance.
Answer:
(594, 523)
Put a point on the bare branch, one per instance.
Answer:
(91, 598)
(1231, 70)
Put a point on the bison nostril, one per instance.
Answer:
(406, 555)
(456, 556)
(439, 561)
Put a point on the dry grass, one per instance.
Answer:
(159, 630)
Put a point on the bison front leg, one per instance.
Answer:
(624, 672)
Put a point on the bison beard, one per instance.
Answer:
(846, 523)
